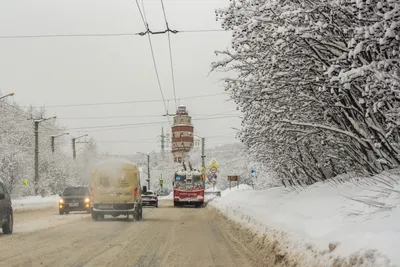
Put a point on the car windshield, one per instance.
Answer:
(76, 191)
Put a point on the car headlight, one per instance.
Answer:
(87, 199)
(61, 200)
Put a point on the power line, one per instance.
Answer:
(151, 139)
(135, 116)
(170, 53)
(145, 123)
(124, 102)
(44, 36)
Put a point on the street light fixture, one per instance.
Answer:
(73, 144)
(54, 137)
(7, 95)
(148, 169)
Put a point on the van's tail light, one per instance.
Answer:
(135, 191)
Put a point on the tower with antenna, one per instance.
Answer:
(182, 134)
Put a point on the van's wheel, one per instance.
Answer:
(9, 225)
(95, 216)
(61, 212)
(140, 213)
(136, 216)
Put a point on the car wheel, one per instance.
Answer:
(88, 211)
(61, 212)
(67, 212)
(141, 213)
(95, 216)
(156, 206)
(9, 225)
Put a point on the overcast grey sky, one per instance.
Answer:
(76, 70)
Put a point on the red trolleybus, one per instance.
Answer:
(188, 188)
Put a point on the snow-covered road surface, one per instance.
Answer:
(167, 236)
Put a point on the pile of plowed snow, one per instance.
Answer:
(324, 224)
(34, 203)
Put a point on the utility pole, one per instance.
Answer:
(148, 171)
(52, 143)
(162, 142)
(36, 178)
(202, 153)
(73, 145)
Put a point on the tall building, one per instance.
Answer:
(182, 134)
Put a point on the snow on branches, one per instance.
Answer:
(318, 82)
(56, 170)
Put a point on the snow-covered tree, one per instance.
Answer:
(17, 139)
(318, 82)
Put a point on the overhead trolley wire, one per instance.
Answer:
(40, 36)
(144, 19)
(170, 53)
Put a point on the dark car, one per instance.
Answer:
(149, 198)
(75, 199)
(6, 211)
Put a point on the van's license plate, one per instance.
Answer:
(105, 206)
(73, 204)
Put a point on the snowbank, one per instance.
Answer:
(34, 203)
(324, 221)
(169, 197)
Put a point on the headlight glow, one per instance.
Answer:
(87, 199)
(61, 200)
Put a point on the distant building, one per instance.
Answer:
(196, 142)
(182, 134)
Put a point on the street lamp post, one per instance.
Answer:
(54, 137)
(148, 169)
(7, 95)
(73, 145)
(36, 180)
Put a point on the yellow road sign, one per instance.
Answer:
(26, 182)
(213, 163)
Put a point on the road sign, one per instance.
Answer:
(253, 171)
(26, 182)
(213, 163)
(203, 170)
(213, 170)
(234, 178)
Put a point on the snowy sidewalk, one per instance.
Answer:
(324, 221)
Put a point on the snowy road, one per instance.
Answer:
(167, 236)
